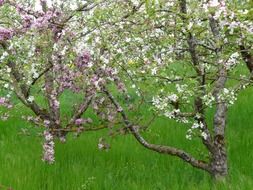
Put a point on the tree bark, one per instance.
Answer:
(219, 168)
(218, 165)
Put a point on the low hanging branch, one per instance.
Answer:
(157, 148)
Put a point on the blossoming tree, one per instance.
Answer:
(184, 58)
(180, 58)
(45, 52)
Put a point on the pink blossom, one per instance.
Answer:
(2, 101)
(48, 148)
(27, 21)
(5, 102)
(43, 20)
(82, 121)
(2, 2)
(79, 121)
(83, 60)
(5, 34)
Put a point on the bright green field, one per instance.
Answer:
(127, 165)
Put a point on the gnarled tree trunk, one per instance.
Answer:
(219, 168)
(218, 163)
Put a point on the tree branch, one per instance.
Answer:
(247, 57)
(157, 148)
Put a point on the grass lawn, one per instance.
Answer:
(127, 165)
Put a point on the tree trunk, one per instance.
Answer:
(218, 165)
(219, 168)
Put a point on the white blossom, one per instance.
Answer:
(204, 135)
(30, 99)
(173, 97)
(232, 60)
(227, 96)
(208, 99)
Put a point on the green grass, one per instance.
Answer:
(127, 165)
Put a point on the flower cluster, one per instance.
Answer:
(81, 121)
(228, 96)
(2, 101)
(233, 59)
(48, 147)
(45, 18)
(5, 34)
(196, 128)
(208, 99)
(83, 60)
(65, 77)
(27, 21)
(219, 6)
(166, 106)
